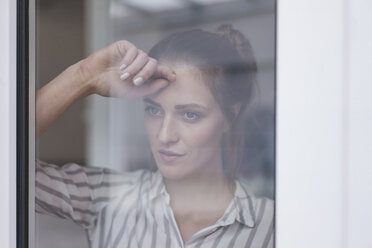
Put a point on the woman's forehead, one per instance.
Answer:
(189, 87)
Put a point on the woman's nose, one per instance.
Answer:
(168, 133)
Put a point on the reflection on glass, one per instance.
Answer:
(190, 164)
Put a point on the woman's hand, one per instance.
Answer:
(122, 70)
(119, 70)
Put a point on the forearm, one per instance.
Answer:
(58, 95)
(100, 74)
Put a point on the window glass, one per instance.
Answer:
(155, 123)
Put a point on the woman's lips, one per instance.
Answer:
(169, 156)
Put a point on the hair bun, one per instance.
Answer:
(238, 40)
(241, 44)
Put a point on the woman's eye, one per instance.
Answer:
(191, 116)
(153, 111)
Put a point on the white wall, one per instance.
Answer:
(324, 117)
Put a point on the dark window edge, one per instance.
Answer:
(22, 129)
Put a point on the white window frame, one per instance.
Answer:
(8, 123)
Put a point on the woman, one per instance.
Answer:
(192, 119)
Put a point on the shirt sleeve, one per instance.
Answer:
(76, 192)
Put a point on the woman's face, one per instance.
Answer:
(185, 126)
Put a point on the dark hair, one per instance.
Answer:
(226, 61)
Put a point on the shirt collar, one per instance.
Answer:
(244, 205)
(241, 209)
(157, 187)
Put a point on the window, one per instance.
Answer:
(107, 149)
(322, 166)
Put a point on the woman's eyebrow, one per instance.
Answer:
(148, 100)
(178, 107)
(190, 105)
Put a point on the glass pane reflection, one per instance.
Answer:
(188, 166)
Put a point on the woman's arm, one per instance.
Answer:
(80, 193)
(57, 96)
(118, 70)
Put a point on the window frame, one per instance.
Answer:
(290, 232)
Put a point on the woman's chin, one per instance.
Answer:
(172, 171)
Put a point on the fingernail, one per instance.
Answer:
(124, 76)
(123, 66)
(138, 81)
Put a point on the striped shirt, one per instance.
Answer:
(132, 210)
